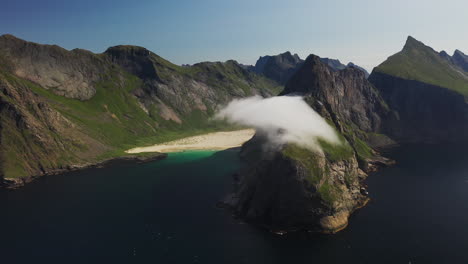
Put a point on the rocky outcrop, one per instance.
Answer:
(291, 188)
(345, 97)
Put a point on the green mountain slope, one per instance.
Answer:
(421, 63)
(70, 108)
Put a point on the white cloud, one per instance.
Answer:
(283, 118)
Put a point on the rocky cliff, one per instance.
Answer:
(290, 187)
(344, 97)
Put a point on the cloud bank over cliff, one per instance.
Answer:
(284, 119)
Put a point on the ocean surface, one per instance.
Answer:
(165, 212)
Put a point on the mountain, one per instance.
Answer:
(421, 63)
(278, 68)
(293, 188)
(461, 60)
(427, 92)
(281, 67)
(65, 109)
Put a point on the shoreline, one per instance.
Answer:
(212, 141)
(15, 183)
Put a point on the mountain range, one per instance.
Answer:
(61, 110)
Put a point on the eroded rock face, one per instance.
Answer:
(345, 95)
(286, 192)
(72, 74)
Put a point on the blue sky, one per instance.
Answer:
(182, 31)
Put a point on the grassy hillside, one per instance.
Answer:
(421, 63)
(136, 98)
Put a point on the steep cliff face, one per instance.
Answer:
(424, 112)
(292, 188)
(344, 97)
(64, 109)
(427, 91)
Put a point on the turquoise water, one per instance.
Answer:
(165, 212)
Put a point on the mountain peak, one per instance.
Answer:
(412, 43)
(458, 52)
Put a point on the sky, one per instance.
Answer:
(185, 32)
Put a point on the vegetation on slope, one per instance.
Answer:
(421, 63)
(125, 111)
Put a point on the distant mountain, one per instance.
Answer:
(281, 67)
(427, 90)
(352, 65)
(278, 68)
(461, 60)
(336, 65)
(419, 62)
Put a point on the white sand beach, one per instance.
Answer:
(210, 141)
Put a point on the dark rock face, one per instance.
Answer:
(345, 96)
(424, 112)
(461, 60)
(279, 192)
(279, 68)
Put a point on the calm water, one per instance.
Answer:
(164, 212)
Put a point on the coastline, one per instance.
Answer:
(211, 141)
(14, 183)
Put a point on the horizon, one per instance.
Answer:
(188, 33)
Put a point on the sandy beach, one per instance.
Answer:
(210, 141)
